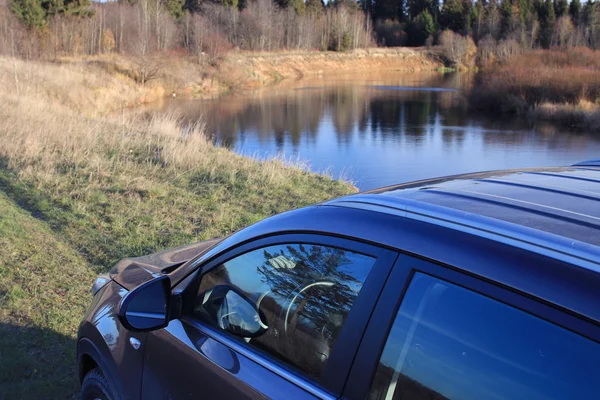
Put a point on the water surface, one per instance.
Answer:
(384, 129)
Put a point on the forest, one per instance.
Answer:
(46, 29)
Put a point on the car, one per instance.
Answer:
(483, 285)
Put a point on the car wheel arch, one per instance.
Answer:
(91, 357)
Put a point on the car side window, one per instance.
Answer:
(448, 342)
(289, 301)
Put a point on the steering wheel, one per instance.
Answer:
(298, 293)
(260, 299)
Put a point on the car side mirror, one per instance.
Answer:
(146, 308)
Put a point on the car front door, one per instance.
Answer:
(279, 317)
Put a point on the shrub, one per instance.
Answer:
(459, 50)
(538, 77)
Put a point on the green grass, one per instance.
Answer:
(446, 70)
(44, 289)
(79, 193)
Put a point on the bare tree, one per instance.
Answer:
(458, 49)
(562, 35)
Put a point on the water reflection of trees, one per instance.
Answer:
(297, 116)
(353, 111)
(312, 264)
(318, 313)
(304, 293)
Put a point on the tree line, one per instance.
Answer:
(209, 28)
(206, 29)
(529, 23)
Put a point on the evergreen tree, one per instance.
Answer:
(547, 19)
(176, 8)
(79, 8)
(477, 20)
(314, 7)
(35, 13)
(561, 7)
(298, 6)
(420, 28)
(30, 12)
(492, 21)
(526, 11)
(230, 3)
(509, 18)
(455, 15)
(468, 15)
(416, 7)
(388, 9)
(575, 10)
(590, 16)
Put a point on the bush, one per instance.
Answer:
(458, 50)
(490, 51)
(524, 81)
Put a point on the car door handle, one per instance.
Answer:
(134, 343)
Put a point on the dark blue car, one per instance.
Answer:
(479, 286)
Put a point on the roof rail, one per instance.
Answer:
(588, 163)
(548, 244)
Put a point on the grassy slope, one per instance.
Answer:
(44, 287)
(79, 191)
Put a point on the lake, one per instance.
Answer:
(383, 129)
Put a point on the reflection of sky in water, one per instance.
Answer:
(459, 351)
(383, 131)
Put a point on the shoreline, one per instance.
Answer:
(240, 71)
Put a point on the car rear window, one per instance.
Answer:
(448, 342)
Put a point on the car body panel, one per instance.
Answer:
(132, 272)
(588, 163)
(111, 351)
(206, 368)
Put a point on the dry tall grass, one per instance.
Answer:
(84, 86)
(559, 80)
(149, 166)
(39, 130)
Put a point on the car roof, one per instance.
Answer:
(464, 221)
(556, 209)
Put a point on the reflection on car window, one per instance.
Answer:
(451, 343)
(291, 301)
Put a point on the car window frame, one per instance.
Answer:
(371, 348)
(339, 364)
